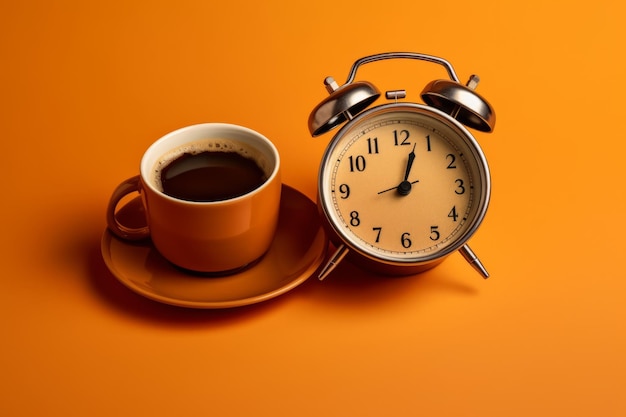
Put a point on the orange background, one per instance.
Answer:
(87, 86)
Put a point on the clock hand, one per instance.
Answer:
(409, 163)
(404, 188)
(396, 187)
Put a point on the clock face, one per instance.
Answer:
(404, 183)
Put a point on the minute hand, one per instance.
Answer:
(397, 186)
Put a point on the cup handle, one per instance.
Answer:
(132, 184)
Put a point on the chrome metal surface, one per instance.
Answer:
(461, 102)
(395, 94)
(343, 103)
(334, 260)
(402, 55)
(473, 260)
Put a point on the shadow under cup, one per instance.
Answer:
(212, 237)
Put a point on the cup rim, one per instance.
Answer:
(239, 132)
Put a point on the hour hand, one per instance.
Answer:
(409, 164)
(404, 188)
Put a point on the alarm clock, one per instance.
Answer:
(402, 185)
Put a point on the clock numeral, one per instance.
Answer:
(453, 214)
(452, 159)
(344, 189)
(428, 148)
(434, 233)
(372, 145)
(460, 189)
(405, 240)
(354, 219)
(377, 230)
(401, 138)
(357, 163)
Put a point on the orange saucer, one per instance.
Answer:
(298, 249)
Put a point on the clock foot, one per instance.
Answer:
(473, 260)
(339, 254)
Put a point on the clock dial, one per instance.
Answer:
(404, 184)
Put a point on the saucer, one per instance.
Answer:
(298, 249)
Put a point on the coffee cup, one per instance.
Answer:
(211, 197)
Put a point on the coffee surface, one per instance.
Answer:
(211, 176)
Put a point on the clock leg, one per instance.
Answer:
(339, 254)
(473, 260)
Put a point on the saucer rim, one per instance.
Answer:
(299, 278)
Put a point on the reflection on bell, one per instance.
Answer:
(343, 104)
(461, 102)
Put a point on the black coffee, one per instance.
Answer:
(211, 176)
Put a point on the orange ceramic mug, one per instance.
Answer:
(214, 232)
